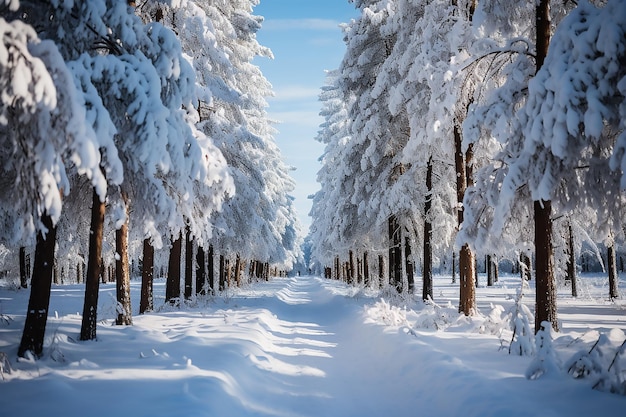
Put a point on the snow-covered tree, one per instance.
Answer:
(45, 130)
(561, 149)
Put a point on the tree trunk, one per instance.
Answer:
(188, 264)
(467, 297)
(495, 268)
(366, 270)
(172, 284)
(545, 300)
(122, 274)
(381, 271)
(200, 275)
(427, 270)
(227, 271)
(571, 262)
(41, 285)
(408, 264)
(222, 275)
(211, 270)
(612, 267)
(350, 274)
(94, 270)
(238, 270)
(525, 267)
(23, 274)
(395, 253)
(489, 267)
(467, 293)
(545, 308)
(147, 278)
(454, 267)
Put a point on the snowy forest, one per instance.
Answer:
(463, 138)
(132, 128)
(461, 131)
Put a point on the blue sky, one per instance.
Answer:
(306, 40)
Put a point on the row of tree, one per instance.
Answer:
(154, 115)
(462, 123)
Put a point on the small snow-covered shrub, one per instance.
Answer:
(522, 341)
(602, 364)
(545, 361)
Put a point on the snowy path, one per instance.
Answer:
(290, 347)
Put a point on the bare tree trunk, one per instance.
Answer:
(122, 274)
(381, 271)
(395, 253)
(366, 270)
(23, 275)
(146, 302)
(172, 284)
(490, 270)
(612, 267)
(238, 270)
(545, 308)
(94, 270)
(545, 302)
(222, 274)
(467, 304)
(408, 264)
(41, 285)
(427, 270)
(454, 267)
(467, 293)
(571, 262)
(350, 272)
(188, 264)
(200, 274)
(211, 270)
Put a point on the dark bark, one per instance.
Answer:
(395, 253)
(408, 264)
(454, 267)
(427, 270)
(571, 262)
(366, 270)
(172, 284)
(467, 298)
(188, 265)
(490, 270)
(381, 271)
(41, 285)
(545, 300)
(146, 302)
(23, 268)
(122, 276)
(350, 268)
(222, 275)
(612, 269)
(211, 270)
(200, 274)
(545, 303)
(227, 272)
(467, 281)
(238, 270)
(525, 267)
(94, 270)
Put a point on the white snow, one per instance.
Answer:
(305, 347)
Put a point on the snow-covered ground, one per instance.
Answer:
(306, 347)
